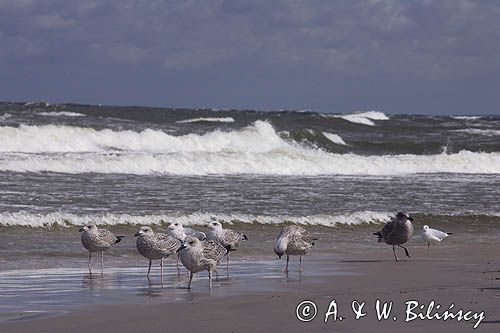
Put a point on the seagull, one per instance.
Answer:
(433, 236)
(177, 230)
(199, 256)
(293, 240)
(397, 232)
(228, 238)
(155, 246)
(98, 240)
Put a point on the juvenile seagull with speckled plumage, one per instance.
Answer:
(155, 246)
(177, 230)
(293, 240)
(98, 240)
(199, 256)
(397, 232)
(228, 238)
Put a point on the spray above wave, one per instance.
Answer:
(26, 219)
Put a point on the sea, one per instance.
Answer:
(341, 176)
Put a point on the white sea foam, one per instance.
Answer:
(466, 117)
(256, 149)
(364, 118)
(67, 219)
(209, 119)
(334, 138)
(61, 113)
(259, 138)
(5, 116)
(478, 131)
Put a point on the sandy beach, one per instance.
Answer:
(269, 128)
(467, 276)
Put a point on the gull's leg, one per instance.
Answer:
(178, 270)
(300, 267)
(227, 261)
(428, 245)
(287, 259)
(90, 256)
(209, 279)
(161, 268)
(190, 278)
(102, 262)
(395, 255)
(406, 251)
(149, 268)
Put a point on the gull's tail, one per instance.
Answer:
(119, 239)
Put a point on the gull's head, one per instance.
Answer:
(175, 226)
(279, 252)
(281, 246)
(144, 231)
(404, 216)
(426, 227)
(90, 227)
(215, 226)
(192, 242)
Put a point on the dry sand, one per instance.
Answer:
(468, 276)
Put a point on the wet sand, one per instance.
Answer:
(466, 275)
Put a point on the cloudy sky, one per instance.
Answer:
(438, 57)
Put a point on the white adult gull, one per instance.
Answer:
(98, 240)
(293, 240)
(433, 236)
(397, 232)
(199, 256)
(155, 246)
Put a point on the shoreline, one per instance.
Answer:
(466, 275)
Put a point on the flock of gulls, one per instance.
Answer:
(199, 251)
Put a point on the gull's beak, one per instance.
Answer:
(410, 218)
(81, 229)
(137, 234)
(181, 248)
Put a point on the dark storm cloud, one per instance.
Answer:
(397, 56)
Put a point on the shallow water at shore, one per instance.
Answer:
(55, 289)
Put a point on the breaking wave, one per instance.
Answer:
(48, 220)
(477, 131)
(209, 119)
(466, 117)
(364, 118)
(256, 149)
(334, 138)
(61, 113)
